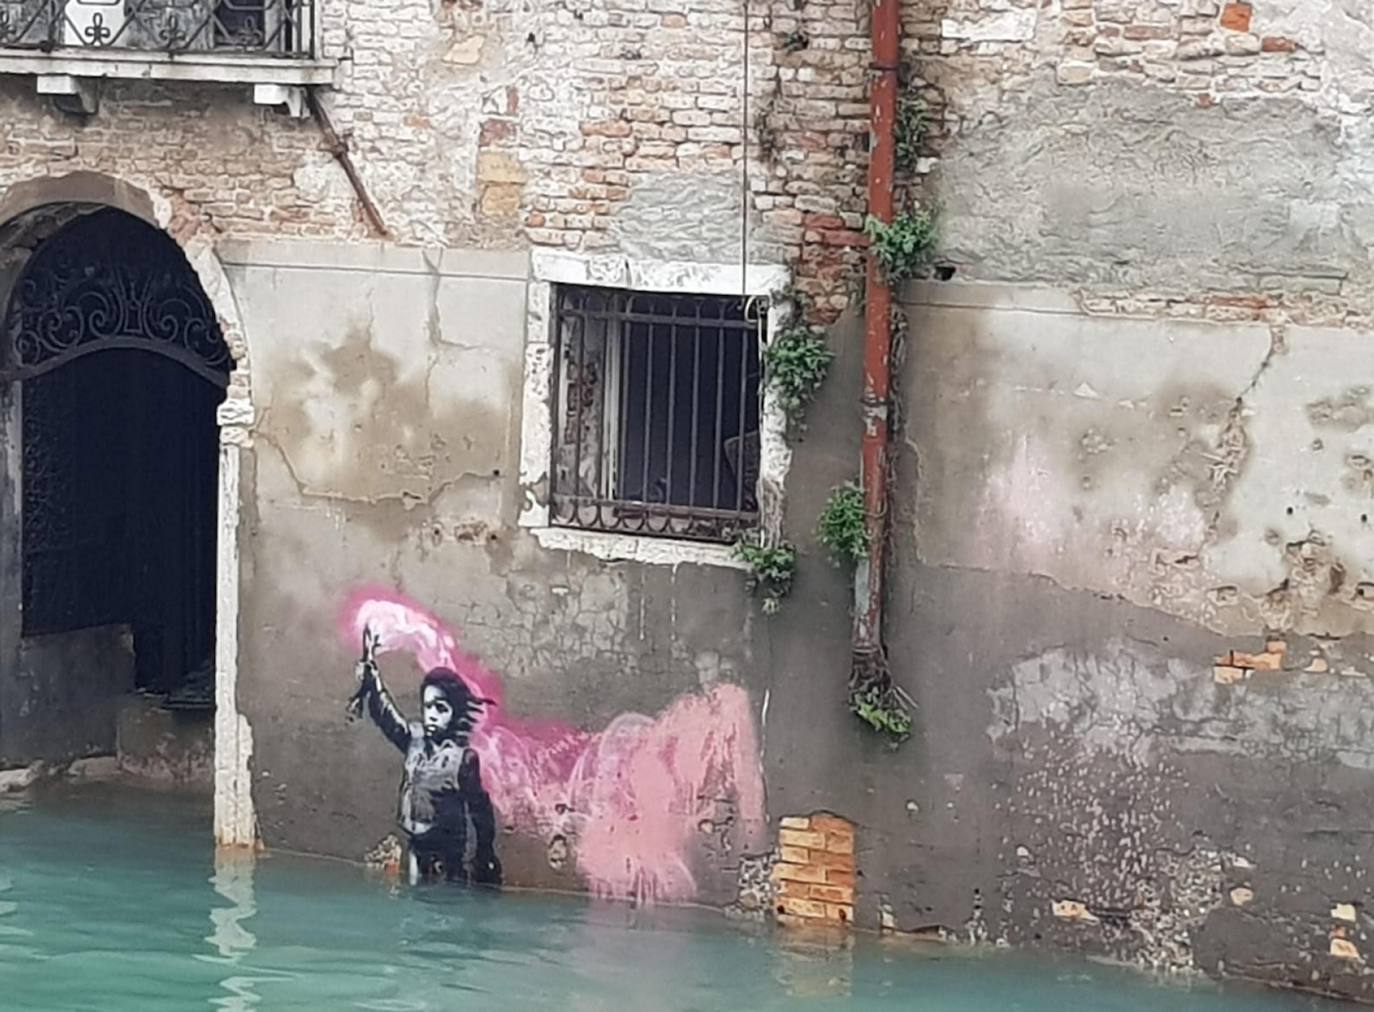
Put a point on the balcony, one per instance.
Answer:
(68, 45)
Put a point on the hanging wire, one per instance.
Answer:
(744, 168)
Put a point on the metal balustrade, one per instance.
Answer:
(276, 28)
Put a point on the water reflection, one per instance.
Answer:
(233, 880)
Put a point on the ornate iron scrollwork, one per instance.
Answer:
(274, 28)
(110, 281)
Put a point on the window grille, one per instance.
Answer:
(656, 413)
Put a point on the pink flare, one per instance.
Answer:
(631, 796)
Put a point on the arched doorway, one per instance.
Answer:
(119, 367)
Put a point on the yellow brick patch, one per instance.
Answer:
(801, 838)
(815, 873)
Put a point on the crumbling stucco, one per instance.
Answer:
(1212, 471)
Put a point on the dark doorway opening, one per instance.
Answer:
(120, 454)
(122, 367)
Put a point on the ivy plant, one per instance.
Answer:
(771, 568)
(843, 524)
(881, 705)
(795, 363)
(908, 132)
(902, 246)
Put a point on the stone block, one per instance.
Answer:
(499, 167)
(1343, 912)
(20, 779)
(1075, 73)
(501, 200)
(1073, 910)
(794, 822)
(1344, 948)
(1225, 674)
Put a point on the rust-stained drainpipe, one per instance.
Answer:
(337, 147)
(868, 577)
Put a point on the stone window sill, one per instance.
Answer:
(132, 65)
(72, 78)
(611, 547)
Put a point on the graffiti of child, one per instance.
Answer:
(441, 787)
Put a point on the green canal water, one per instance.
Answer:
(110, 901)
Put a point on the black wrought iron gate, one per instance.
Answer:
(120, 447)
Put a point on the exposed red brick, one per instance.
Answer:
(1236, 17)
(844, 237)
(495, 132)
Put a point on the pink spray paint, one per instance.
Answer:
(630, 798)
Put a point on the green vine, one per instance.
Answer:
(882, 708)
(904, 245)
(908, 132)
(771, 568)
(843, 524)
(795, 363)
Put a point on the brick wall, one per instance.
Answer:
(814, 875)
(621, 124)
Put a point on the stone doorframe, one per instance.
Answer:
(29, 212)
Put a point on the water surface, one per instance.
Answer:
(110, 900)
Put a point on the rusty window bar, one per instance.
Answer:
(656, 414)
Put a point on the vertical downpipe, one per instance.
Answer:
(868, 577)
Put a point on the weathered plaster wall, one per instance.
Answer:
(1095, 520)
(1145, 455)
(384, 464)
(61, 698)
(1131, 516)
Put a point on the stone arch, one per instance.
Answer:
(30, 211)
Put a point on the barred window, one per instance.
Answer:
(656, 413)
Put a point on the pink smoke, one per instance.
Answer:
(629, 798)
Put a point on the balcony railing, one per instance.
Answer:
(280, 28)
